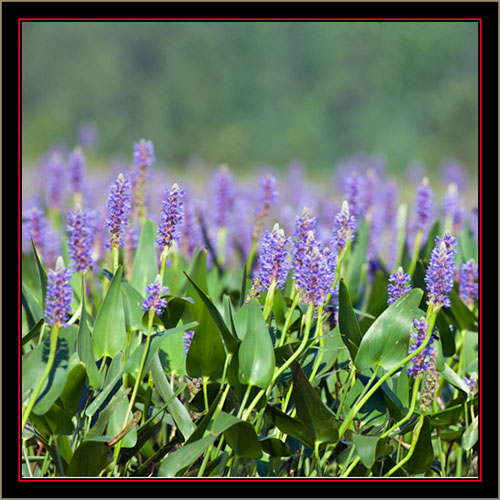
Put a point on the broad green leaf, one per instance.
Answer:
(387, 340)
(229, 340)
(319, 420)
(357, 259)
(275, 447)
(145, 267)
(101, 397)
(133, 362)
(85, 349)
(470, 436)
(423, 455)
(132, 306)
(464, 316)
(454, 379)
(55, 422)
(185, 456)
(348, 324)
(239, 434)
(445, 334)
(256, 353)
(32, 303)
(205, 421)
(174, 310)
(73, 388)
(35, 363)
(366, 446)
(374, 411)
(377, 302)
(110, 333)
(117, 422)
(176, 409)
(290, 426)
(89, 459)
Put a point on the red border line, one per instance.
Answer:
(249, 19)
(320, 480)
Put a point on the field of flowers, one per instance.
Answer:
(265, 325)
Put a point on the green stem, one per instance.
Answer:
(115, 252)
(205, 392)
(390, 372)
(269, 300)
(137, 383)
(244, 402)
(416, 251)
(416, 434)
(345, 389)
(288, 319)
(319, 335)
(52, 354)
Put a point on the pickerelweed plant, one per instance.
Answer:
(243, 333)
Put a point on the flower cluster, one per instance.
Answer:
(467, 285)
(154, 300)
(171, 216)
(79, 240)
(424, 206)
(273, 259)
(344, 227)
(223, 196)
(118, 211)
(420, 363)
(430, 384)
(441, 271)
(188, 338)
(144, 154)
(399, 285)
(76, 163)
(59, 296)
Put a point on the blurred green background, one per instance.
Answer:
(255, 93)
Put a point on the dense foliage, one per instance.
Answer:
(271, 328)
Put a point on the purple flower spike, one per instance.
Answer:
(76, 169)
(188, 338)
(273, 259)
(268, 194)
(467, 284)
(55, 169)
(223, 196)
(344, 227)
(118, 211)
(441, 271)
(471, 382)
(314, 273)
(399, 285)
(34, 226)
(354, 194)
(144, 154)
(420, 363)
(154, 300)
(424, 206)
(430, 384)
(172, 216)
(59, 296)
(79, 240)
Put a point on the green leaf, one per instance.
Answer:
(110, 334)
(229, 340)
(366, 446)
(85, 349)
(101, 397)
(239, 434)
(465, 317)
(290, 426)
(454, 379)
(377, 302)
(387, 340)
(176, 409)
(470, 436)
(357, 258)
(423, 455)
(256, 353)
(55, 422)
(184, 456)
(89, 459)
(34, 364)
(319, 420)
(174, 310)
(145, 267)
(42, 274)
(348, 324)
(132, 306)
(33, 332)
(275, 447)
(133, 362)
(445, 334)
(467, 246)
(117, 422)
(73, 388)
